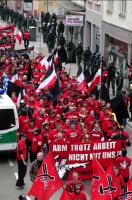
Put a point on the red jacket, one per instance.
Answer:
(36, 143)
(26, 35)
(21, 150)
(80, 196)
(123, 164)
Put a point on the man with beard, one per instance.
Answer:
(78, 194)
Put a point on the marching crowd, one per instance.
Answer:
(75, 116)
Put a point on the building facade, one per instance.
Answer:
(117, 32)
(93, 25)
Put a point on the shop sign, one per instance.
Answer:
(27, 6)
(74, 20)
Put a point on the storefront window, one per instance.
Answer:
(116, 52)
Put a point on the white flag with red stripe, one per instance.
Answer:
(49, 79)
(81, 79)
(95, 81)
(44, 64)
(19, 37)
(56, 58)
(14, 78)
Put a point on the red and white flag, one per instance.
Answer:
(44, 64)
(47, 181)
(56, 59)
(19, 37)
(95, 81)
(14, 78)
(49, 79)
(81, 79)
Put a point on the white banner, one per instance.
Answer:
(74, 20)
(27, 6)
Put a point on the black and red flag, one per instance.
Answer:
(47, 181)
(108, 186)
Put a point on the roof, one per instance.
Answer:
(6, 102)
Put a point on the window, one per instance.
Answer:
(7, 119)
(122, 7)
(109, 5)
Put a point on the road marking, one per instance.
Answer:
(16, 175)
(10, 163)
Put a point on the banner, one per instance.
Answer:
(74, 20)
(78, 156)
(6, 46)
(9, 28)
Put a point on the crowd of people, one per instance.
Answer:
(76, 116)
(20, 20)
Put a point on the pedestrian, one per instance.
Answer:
(123, 163)
(21, 161)
(26, 38)
(36, 166)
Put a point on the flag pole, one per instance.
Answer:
(100, 80)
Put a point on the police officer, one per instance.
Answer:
(86, 57)
(61, 28)
(71, 52)
(61, 40)
(47, 17)
(20, 21)
(79, 53)
(119, 83)
(111, 77)
(51, 40)
(44, 32)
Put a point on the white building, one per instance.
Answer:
(93, 25)
(117, 32)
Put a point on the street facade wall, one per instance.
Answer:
(116, 34)
(93, 26)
